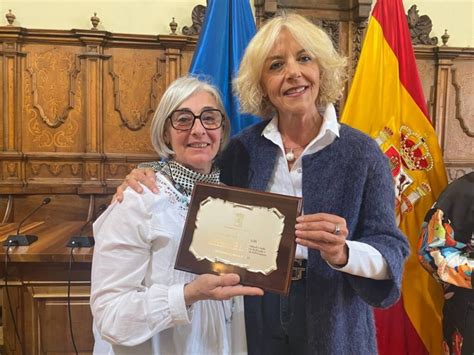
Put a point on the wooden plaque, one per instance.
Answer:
(220, 235)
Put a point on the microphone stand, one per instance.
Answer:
(24, 239)
(83, 241)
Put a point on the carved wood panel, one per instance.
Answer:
(133, 85)
(52, 103)
(77, 105)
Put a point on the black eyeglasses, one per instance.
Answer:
(183, 120)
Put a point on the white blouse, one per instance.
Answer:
(137, 296)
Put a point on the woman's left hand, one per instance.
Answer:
(326, 233)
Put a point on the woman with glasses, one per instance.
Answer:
(139, 302)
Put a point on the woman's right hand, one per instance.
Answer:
(145, 176)
(213, 287)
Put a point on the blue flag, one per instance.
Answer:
(227, 29)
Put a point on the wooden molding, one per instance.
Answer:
(67, 107)
(458, 104)
(141, 117)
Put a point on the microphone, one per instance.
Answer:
(82, 241)
(25, 239)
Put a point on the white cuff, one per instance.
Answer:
(365, 261)
(178, 311)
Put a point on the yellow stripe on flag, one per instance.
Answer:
(380, 106)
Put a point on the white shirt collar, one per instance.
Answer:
(327, 134)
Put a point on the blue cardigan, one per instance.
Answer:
(350, 178)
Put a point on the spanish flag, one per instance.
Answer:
(386, 101)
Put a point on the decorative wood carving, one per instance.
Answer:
(10, 17)
(173, 27)
(332, 29)
(43, 65)
(197, 16)
(75, 169)
(45, 138)
(358, 30)
(55, 169)
(113, 168)
(35, 168)
(445, 38)
(95, 21)
(137, 119)
(12, 169)
(74, 102)
(92, 171)
(458, 104)
(420, 27)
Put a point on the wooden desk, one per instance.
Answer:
(37, 280)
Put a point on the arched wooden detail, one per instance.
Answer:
(39, 72)
(137, 120)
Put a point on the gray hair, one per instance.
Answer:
(179, 91)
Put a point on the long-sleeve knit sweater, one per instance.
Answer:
(349, 178)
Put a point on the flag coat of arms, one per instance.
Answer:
(386, 101)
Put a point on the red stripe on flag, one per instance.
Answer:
(391, 17)
(395, 332)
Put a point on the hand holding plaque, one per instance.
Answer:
(231, 230)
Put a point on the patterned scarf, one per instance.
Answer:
(184, 179)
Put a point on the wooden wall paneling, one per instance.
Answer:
(52, 115)
(93, 57)
(186, 59)
(459, 127)
(425, 61)
(174, 46)
(11, 344)
(51, 316)
(41, 315)
(133, 85)
(134, 82)
(173, 65)
(10, 97)
(441, 109)
(61, 137)
(63, 207)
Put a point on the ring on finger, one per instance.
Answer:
(337, 229)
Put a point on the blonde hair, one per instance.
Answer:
(179, 91)
(312, 38)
